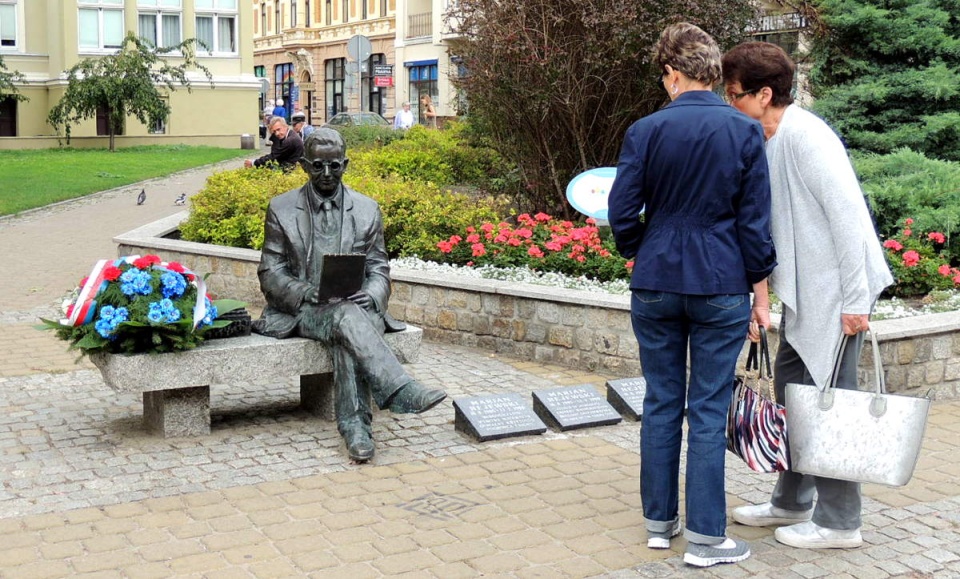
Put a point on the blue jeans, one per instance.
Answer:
(714, 328)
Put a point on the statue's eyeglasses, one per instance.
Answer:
(319, 166)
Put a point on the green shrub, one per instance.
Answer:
(908, 184)
(919, 262)
(367, 136)
(231, 208)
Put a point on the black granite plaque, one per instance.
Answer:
(572, 407)
(626, 396)
(495, 416)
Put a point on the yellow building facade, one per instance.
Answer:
(43, 38)
(324, 57)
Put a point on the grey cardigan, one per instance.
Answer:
(830, 259)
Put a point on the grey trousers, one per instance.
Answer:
(838, 501)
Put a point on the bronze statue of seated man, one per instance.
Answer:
(325, 217)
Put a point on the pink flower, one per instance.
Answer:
(486, 227)
(534, 251)
(471, 229)
(936, 237)
(553, 246)
(908, 221)
(542, 217)
(500, 238)
(455, 239)
(910, 258)
(473, 238)
(478, 249)
(444, 246)
(514, 241)
(907, 232)
(629, 264)
(944, 270)
(591, 221)
(524, 233)
(956, 279)
(893, 244)
(580, 234)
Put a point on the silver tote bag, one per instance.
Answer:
(870, 437)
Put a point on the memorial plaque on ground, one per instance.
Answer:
(495, 416)
(626, 396)
(572, 407)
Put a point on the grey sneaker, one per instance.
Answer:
(730, 551)
(662, 540)
(767, 514)
(809, 535)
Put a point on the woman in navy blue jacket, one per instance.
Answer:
(691, 206)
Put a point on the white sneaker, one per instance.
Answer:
(767, 514)
(662, 540)
(809, 535)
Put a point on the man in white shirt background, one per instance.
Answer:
(404, 118)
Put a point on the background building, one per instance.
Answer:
(302, 48)
(41, 39)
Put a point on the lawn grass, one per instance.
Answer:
(38, 177)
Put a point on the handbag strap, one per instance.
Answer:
(880, 384)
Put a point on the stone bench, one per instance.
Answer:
(176, 385)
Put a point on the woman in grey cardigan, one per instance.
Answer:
(831, 272)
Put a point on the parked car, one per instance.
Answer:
(355, 119)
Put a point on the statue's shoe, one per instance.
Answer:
(359, 444)
(415, 398)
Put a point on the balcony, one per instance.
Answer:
(419, 25)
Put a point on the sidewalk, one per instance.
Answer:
(270, 493)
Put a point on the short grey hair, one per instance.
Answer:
(277, 121)
(690, 50)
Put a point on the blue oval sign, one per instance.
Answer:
(588, 191)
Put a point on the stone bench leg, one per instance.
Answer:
(177, 412)
(316, 395)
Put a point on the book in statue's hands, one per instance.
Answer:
(341, 275)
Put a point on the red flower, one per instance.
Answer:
(514, 241)
(591, 221)
(907, 232)
(175, 266)
(910, 258)
(534, 251)
(146, 261)
(111, 273)
(478, 249)
(444, 246)
(473, 238)
(83, 282)
(553, 246)
(486, 227)
(936, 237)
(629, 264)
(542, 217)
(893, 244)
(944, 270)
(471, 229)
(524, 233)
(908, 221)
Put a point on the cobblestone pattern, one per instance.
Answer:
(267, 493)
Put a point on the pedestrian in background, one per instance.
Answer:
(280, 110)
(428, 112)
(300, 124)
(404, 118)
(696, 173)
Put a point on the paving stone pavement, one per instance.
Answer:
(269, 493)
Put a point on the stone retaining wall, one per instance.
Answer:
(566, 327)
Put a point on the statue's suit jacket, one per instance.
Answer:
(288, 248)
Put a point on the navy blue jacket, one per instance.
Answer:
(697, 170)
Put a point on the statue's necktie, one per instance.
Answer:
(326, 217)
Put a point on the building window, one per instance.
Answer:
(333, 79)
(217, 25)
(283, 86)
(160, 27)
(329, 12)
(276, 15)
(383, 8)
(8, 24)
(263, 19)
(346, 11)
(375, 100)
(159, 127)
(423, 80)
(306, 13)
(101, 24)
(363, 9)
(293, 13)
(8, 117)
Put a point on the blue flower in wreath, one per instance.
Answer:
(210, 315)
(135, 281)
(155, 315)
(173, 283)
(110, 318)
(170, 311)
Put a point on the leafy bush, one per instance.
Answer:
(367, 136)
(906, 183)
(232, 206)
(540, 243)
(919, 263)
